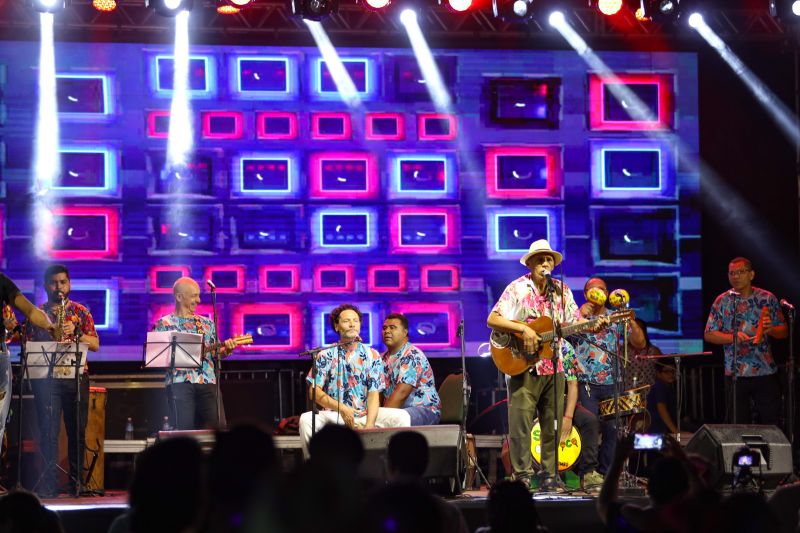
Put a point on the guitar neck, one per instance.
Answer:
(572, 329)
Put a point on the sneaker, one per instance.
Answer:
(593, 480)
(551, 484)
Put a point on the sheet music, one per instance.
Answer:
(188, 351)
(55, 360)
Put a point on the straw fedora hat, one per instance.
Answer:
(541, 247)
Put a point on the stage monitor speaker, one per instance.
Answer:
(443, 449)
(719, 442)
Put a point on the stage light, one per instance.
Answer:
(48, 6)
(224, 8)
(434, 83)
(377, 4)
(556, 18)
(314, 9)
(513, 10)
(459, 5)
(662, 11)
(106, 6)
(786, 10)
(695, 19)
(408, 16)
(170, 8)
(609, 7)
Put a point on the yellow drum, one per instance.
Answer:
(568, 450)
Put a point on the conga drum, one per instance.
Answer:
(95, 438)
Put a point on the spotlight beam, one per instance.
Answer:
(344, 83)
(437, 90)
(180, 141)
(784, 118)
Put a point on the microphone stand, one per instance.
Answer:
(23, 370)
(790, 375)
(735, 369)
(555, 346)
(215, 355)
(466, 389)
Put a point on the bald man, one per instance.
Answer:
(192, 393)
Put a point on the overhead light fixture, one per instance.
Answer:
(48, 6)
(375, 5)
(513, 10)
(663, 11)
(459, 6)
(170, 8)
(314, 9)
(609, 7)
(230, 7)
(787, 11)
(106, 6)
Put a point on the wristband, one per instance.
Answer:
(568, 416)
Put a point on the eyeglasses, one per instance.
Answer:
(739, 272)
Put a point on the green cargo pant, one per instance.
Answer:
(528, 394)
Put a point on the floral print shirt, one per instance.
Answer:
(410, 366)
(752, 359)
(349, 375)
(76, 313)
(596, 364)
(521, 301)
(195, 324)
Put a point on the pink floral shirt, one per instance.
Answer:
(522, 302)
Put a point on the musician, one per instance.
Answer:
(409, 378)
(10, 295)
(192, 392)
(661, 401)
(595, 356)
(542, 388)
(56, 396)
(756, 370)
(349, 382)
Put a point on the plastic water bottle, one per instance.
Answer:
(129, 429)
(165, 426)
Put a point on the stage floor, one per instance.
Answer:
(559, 512)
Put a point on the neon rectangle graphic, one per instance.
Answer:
(287, 92)
(500, 217)
(240, 272)
(398, 216)
(181, 271)
(111, 249)
(292, 311)
(342, 118)
(336, 237)
(661, 121)
(244, 182)
(373, 135)
(292, 270)
(600, 149)
(553, 179)
(451, 310)
(426, 271)
(208, 126)
(209, 70)
(347, 270)
(447, 183)
(322, 163)
(108, 100)
(110, 288)
(153, 130)
(366, 88)
(110, 170)
(262, 131)
(422, 127)
(374, 270)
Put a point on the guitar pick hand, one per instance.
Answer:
(531, 340)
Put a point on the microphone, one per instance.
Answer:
(547, 275)
(786, 304)
(211, 285)
(460, 331)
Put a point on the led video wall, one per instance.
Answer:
(293, 203)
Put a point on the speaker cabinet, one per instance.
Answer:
(718, 443)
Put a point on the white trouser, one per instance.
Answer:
(388, 417)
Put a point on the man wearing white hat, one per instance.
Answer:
(542, 387)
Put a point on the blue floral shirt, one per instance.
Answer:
(410, 366)
(195, 324)
(349, 375)
(596, 365)
(570, 358)
(752, 359)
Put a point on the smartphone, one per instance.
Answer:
(648, 441)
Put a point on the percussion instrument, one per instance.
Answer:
(631, 402)
(568, 450)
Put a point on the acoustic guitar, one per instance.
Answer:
(509, 355)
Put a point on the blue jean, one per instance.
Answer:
(421, 416)
(591, 402)
(5, 387)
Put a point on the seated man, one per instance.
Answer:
(409, 378)
(661, 401)
(349, 382)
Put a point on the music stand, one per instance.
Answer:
(172, 350)
(51, 360)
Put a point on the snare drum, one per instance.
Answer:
(631, 402)
(568, 450)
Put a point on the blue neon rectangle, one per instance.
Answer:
(87, 171)
(632, 169)
(257, 77)
(83, 96)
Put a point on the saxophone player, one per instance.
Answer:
(74, 323)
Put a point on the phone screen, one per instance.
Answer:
(647, 441)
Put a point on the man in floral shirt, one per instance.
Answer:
(596, 364)
(409, 377)
(755, 368)
(542, 387)
(56, 396)
(349, 382)
(192, 393)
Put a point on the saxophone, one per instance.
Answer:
(61, 313)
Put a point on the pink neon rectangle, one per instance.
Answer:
(452, 225)
(295, 313)
(152, 125)
(425, 285)
(372, 271)
(208, 116)
(347, 127)
(422, 127)
(450, 309)
(554, 174)
(240, 275)
(400, 120)
(263, 278)
(112, 233)
(316, 161)
(154, 270)
(597, 109)
(349, 278)
(261, 128)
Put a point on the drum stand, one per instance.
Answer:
(629, 484)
